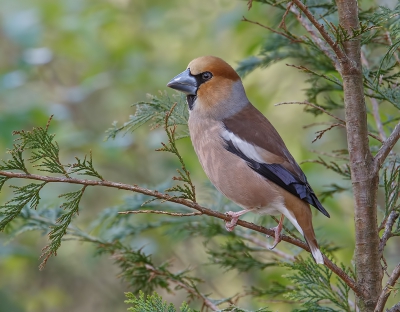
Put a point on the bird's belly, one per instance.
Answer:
(248, 191)
(237, 181)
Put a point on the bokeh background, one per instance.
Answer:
(86, 62)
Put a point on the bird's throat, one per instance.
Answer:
(190, 100)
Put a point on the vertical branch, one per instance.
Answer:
(388, 289)
(364, 179)
(387, 147)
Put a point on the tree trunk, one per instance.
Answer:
(365, 182)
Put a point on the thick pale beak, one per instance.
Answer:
(185, 83)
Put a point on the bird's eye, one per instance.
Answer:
(206, 76)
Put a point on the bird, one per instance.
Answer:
(241, 152)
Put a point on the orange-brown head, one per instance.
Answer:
(216, 65)
(212, 86)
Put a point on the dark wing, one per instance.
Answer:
(265, 152)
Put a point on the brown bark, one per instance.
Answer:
(364, 178)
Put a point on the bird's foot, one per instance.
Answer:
(277, 237)
(277, 229)
(230, 225)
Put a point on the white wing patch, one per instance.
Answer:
(245, 147)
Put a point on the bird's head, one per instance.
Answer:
(212, 87)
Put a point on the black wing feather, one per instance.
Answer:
(282, 177)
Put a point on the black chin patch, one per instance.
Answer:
(190, 100)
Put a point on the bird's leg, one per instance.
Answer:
(277, 229)
(230, 225)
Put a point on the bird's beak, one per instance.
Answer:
(185, 83)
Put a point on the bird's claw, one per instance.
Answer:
(278, 237)
(276, 242)
(230, 225)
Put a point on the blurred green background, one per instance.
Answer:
(86, 62)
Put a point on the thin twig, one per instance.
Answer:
(334, 45)
(262, 244)
(389, 39)
(309, 71)
(388, 230)
(386, 147)
(314, 106)
(135, 188)
(395, 308)
(330, 155)
(293, 39)
(383, 223)
(388, 289)
(385, 266)
(320, 133)
(282, 24)
(175, 214)
(317, 124)
(377, 117)
(326, 112)
(189, 289)
(341, 56)
(48, 122)
(375, 137)
(343, 170)
(188, 190)
(375, 104)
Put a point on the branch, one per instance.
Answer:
(174, 214)
(262, 244)
(342, 122)
(388, 230)
(320, 133)
(282, 24)
(317, 124)
(388, 289)
(314, 106)
(364, 183)
(291, 38)
(188, 190)
(334, 45)
(389, 39)
(166, 197)
(250, 238)
(317, 40)
(386, 148)
(309, 71)
(395, 308)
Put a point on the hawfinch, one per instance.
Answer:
(241, 152)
